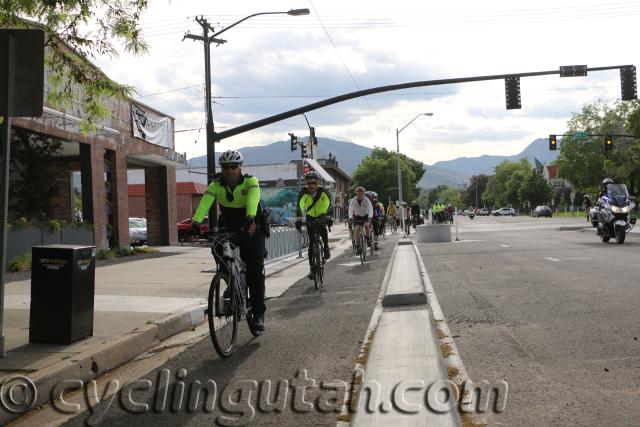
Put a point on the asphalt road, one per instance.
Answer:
(317, 331)
(549, 309)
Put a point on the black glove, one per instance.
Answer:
(329, 221)
(249, 221)
(194, 230)
(299, 224)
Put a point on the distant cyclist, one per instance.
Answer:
(238, 196)
(361, 210)
(378, 219)
(314, 202)
(392, 211)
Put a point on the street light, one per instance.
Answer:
(399, 171)
(207, 40)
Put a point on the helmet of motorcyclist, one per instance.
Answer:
(606, 182)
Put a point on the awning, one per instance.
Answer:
(323, 173)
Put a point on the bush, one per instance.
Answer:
(146, 250)
(106, 254)
(122, 252)
(21, 262)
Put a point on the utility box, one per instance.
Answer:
(62, 293)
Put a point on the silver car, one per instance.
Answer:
(137, 231)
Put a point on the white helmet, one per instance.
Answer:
(230, 157)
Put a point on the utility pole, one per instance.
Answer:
(211, 145)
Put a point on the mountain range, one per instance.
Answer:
(454, 173)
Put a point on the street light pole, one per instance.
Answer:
(207, 40)
(400, 171)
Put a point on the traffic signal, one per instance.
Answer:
(294, 142)
(628, 83)
(312, 136)
(553, 143)
(608, 143)
(512, 92)
(305, 154)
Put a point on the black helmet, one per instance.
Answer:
(312, 175)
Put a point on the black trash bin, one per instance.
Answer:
(62, 291)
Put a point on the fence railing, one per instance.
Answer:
(285, 241)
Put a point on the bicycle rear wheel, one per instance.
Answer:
(223, 317)
(363, 249)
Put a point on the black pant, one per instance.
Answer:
(252, 253)
(324, 235)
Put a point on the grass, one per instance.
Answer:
(576, 214)
(20, 262)
(124, 252)
(106, 254)
(145, 250)
(441, 334)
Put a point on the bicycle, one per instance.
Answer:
(362, 242)
(228, 296)
(317, 253)
(394, 226)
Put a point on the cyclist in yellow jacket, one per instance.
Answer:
(314, 202)
(239, 196)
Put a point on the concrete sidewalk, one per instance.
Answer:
(137, 305)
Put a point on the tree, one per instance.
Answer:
(584, 162)
(32, 164)
(378, 172)
(75, 32)
(477, 185)
(434, 194)
(503, 186)
(536, 189)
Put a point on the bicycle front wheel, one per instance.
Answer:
(222, 314)
(363, 249)
(317, 265)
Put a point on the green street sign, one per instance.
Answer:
(580, 135)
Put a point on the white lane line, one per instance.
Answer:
(353, 264)
(566, 259)
(505, 246)
(466, 241)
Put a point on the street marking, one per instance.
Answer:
(566, 259)
(470, 240)
(505, 246)
(353, 264)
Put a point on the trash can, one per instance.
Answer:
(62, 292)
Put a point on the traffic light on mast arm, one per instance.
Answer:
(294, 142)
(608, 143)
(305, 153)
(553, 142)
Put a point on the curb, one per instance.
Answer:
(95, 362)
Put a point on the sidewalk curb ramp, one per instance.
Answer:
(99, 360)
(400, 352)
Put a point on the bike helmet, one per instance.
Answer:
(312, 175)
(230, 157)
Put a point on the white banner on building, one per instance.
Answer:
(152, 127)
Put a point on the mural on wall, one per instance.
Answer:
(282, 202)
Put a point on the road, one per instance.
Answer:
(549, 309)
(317, 331)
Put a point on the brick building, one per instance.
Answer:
(95, 165)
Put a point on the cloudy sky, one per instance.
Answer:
(274, 63)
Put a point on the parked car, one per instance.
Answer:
(541, 211)
(484, 212)
(137, 231)
(185, 224)
(504, 212)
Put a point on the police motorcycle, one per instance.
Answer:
(614, 213)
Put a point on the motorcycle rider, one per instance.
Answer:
(605, 184)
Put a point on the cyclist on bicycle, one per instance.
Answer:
(361, 209)
(391, 214)
(314, 202)
(238, 196)
(415, 213)
(378, 218)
